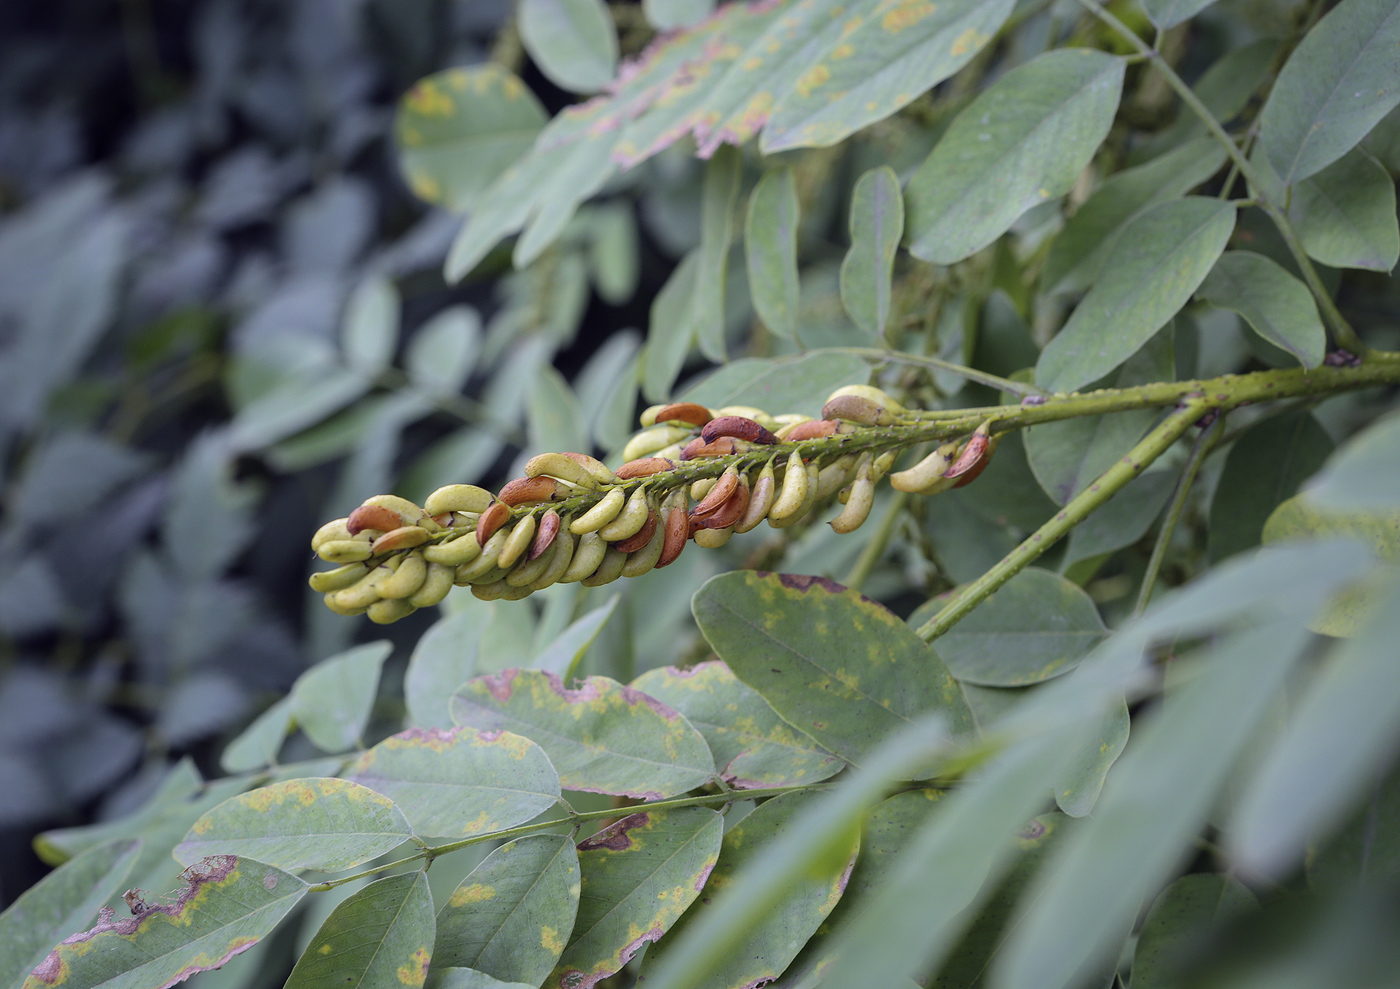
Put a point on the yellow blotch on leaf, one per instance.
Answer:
(551, 941)
(429, 101)
(415, 973)
(907, 14)
(969, 40)
(843, 51)
(812, 78)
(324, 949)
(475, 893)
(458, 79)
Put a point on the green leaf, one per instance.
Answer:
(885, 57)
(443, 659)
(719, 191)
(1169, 13)
(1187, 911)
(370, 330)
(876, 226)
(580, 169)
(1367, 848)
(614, 255)
(784, 384)
(381, 935)
(638, 877)
(459, 130)
(229, 904)
(1078, 786)
(1122, 520)
(62, 902)
(1037, 626)
(511, 916)
(1339, 81)
(752, 745)
(1084, 903)
(444, 350)
(332, 700)
(556, 422)
(671, 329)
(667, 15)
(607, 389)
(770, 245)
(462, 782)
(1345, 214)
(322, 824)
(1166, 253)
(573, 42)
(468, 978)
(1278, 306)
(1265, 467)
(562, 656)
(258, 744)
(1341, 737)
(602, 737)
(773, 942)
(834, 664)
(1022, 142)
(1365, 473)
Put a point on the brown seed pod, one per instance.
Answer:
(633, 543)
(717, 495)
(544, 535)
(532, 491)
(760, 501)
(677, 533)
(404, 537)
(814, 430)
(689, 412)
(723, 446)
(978, 467)
(971, 454)
(730, 512)
(373, 517)
(739, 427)
(491, 520)
(644, 467)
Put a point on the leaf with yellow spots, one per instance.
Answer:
(836, 665)
(771, 944)
(512, 916)
(459, 782)
(228, 905)
(323, 824)
(639, 876)
(752, 745)
(602, 737)
(459, 130)
(885, 55)
(381, 936)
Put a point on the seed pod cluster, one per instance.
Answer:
(573, 519)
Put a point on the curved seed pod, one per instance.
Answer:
(491, 520)
(630, 520)
(404, 537)
(792, 494)
(412, 571)
(339, 578)
(760, 500)
(527, 571)
(454, 552)
(718, 494)
(560, 466)
(834, 476)
(544, 535)
(882, 465)
(645, 467)
(672, 452)
(650, 440)
(787, 423)
(812, 473)
(435, 586)
(700, 490)
(648, 416)
(641, 537)
(740, 428)
(561, 554)
(677, 533)
(596, 469)
(334, 531)
(493, 591)
(364, 592)
(389, 610)
(600, 514)
(687, 412)
(980, 466)
(588, 554)
(870, 393)
(533, 491)
(458, 498)
(814, 430)
(644, 559)
(723, 446)
(748, 412)
(854, 408)
(517, 593)
(608, 570)
(713, 538)
(971, 452)
(517, 542)
(862, 497)
(373, 517)
(344, 551)
(730, 511)
(405, 509)
(472, 571)
(917, 479)
(340, 609)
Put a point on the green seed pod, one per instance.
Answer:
(493, 591)
(834, 476)
(459, 498)
(412, 571)
(334, 531)
(607, 509)
(389, 610)
(341, 609)
(364, 592)
(344, 551)
(528, 571)
(644, 559)
(648, 441)
(563, 554)
(470, 573)
(609, 570)
(518, 540)
(454, 552)
(339, 578)
(713, 538)
(435, 586)
(792, 495)
(587, 556)
(699, 489)
(516, 593)
(630, 520)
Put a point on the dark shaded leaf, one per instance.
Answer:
(1181, 916)
(1278, 306)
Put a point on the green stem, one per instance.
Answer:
(1342, 330)
(1205, 443)
(875, 549)
(1152, 446)
(937, 364)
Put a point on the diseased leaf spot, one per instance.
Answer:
(615, 838)
(415, 973)
(907, 14)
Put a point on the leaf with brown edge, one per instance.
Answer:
(832, 663)
(227, 906)
(638, 877)
(601, 738)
